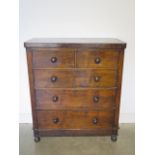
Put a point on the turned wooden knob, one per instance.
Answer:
(55, 98)
(53, 59)
(96, 78)
(97, 60)
(55, 120)
(54, 79)
(96, 99)
(95, 120)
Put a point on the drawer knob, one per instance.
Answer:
(53, 59)
(96, 78)
(55, 98)
(96, 99)
(97, 60)
(55, 120)
(94, 120)
(54, 79)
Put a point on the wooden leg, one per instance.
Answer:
(114, 138)
(36, 137)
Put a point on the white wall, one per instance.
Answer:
(79, 18)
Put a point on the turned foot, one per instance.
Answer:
(114, 138)
(36, 139)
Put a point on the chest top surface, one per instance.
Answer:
(75, 42)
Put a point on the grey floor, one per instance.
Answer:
(125, 144)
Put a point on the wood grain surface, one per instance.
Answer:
(48, 99)
(75, 78)
(74, 119)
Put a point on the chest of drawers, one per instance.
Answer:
(75, 86)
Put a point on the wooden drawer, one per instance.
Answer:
(74, 119)
(53, 58)
(93, 78)
(72, 99)
(97, 58)
(74, 78)
(53, 78)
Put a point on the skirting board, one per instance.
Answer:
(124, 118)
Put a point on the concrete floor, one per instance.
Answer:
(125, 144)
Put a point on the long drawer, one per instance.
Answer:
(71, 99)
(74, 119)
(52, 78)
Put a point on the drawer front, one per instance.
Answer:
(74, 119)
(53, 78)
(95, 58)
(95, 78)
(53, 58)
(74, 78)
(72, 99)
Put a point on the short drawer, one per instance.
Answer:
(53, 58)
(74, 78)
(95, 78)
(48, 99)
(97, 58)
(74, 119)
(52, 78)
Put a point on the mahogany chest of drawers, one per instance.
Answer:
(75, 86)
